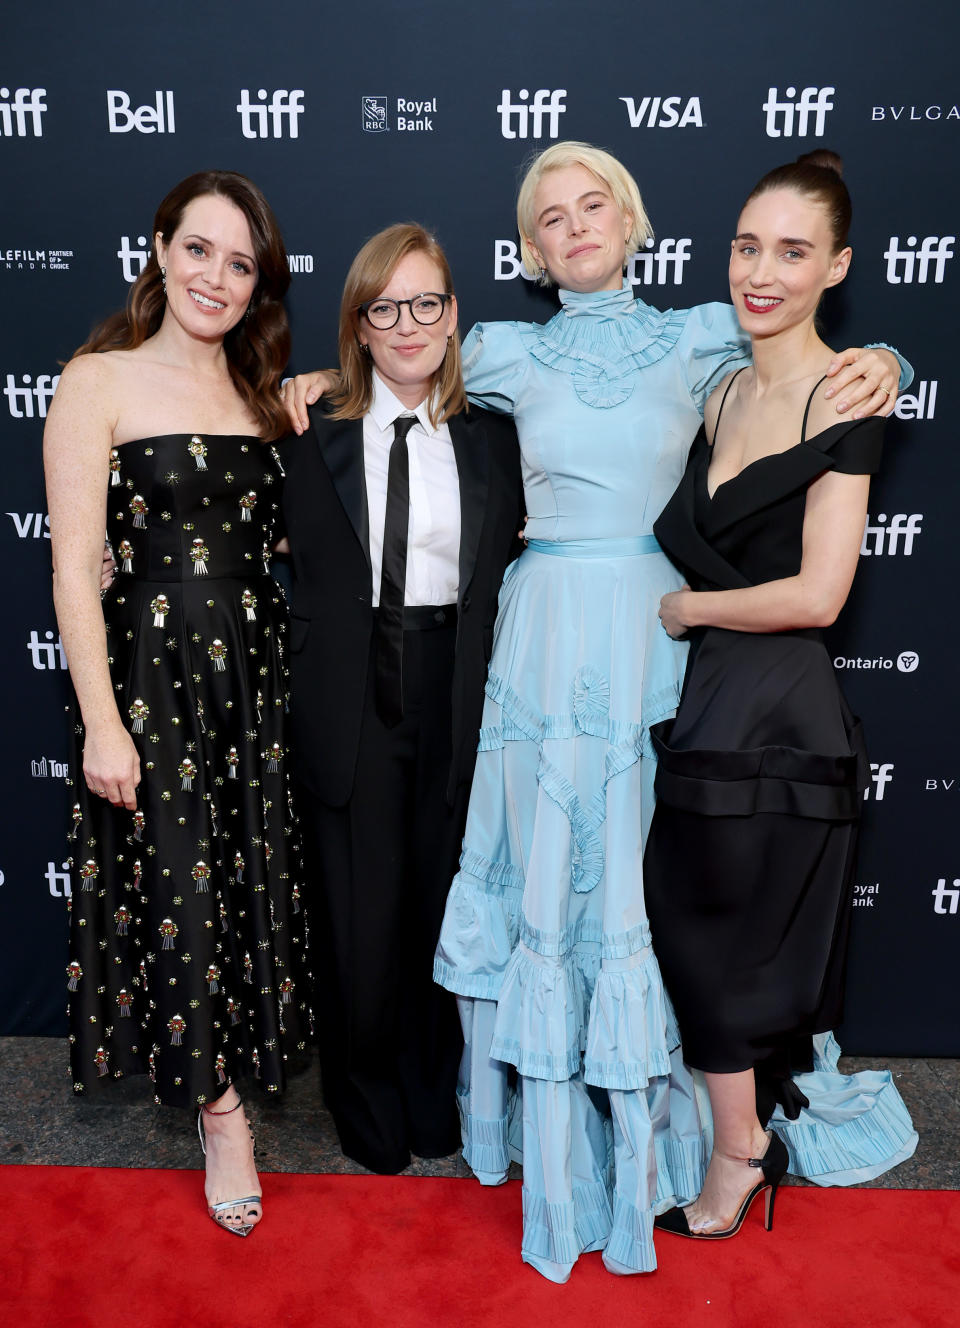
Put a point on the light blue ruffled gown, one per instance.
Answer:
(545, 938)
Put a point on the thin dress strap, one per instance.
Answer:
(803, 427)
(723, 402)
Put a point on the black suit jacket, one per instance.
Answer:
(325, 514)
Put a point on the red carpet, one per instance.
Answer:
(103, 1247)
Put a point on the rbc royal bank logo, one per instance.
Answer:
(788, 117)
(529, 119)
(913, 264)
(21, 115)
(374, 111)
(279, 115)
(663, 112)
(23, 396)
(155, 118)
(892, 536)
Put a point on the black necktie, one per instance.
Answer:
(393, 578)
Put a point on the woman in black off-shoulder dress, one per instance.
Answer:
(187, 955)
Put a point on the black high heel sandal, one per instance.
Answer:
(774, 1167)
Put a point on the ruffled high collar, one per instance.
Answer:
(598, 304)
(601, 339)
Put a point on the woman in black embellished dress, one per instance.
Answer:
(187, 939)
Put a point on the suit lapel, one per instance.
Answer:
(341, 445)
(470, 448)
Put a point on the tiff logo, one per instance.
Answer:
(814, 102)
(669, 256)
(881, 775)
(26, 103)
(58, 881)
(945, 899)
(31, 525)
(150, 119)
(40, 392)
(934, 250)
(546, 105)
(283, 105)
(44, 769)
(901, 526)
(48, 654)
(133, 261)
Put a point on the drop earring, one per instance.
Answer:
(163, 279)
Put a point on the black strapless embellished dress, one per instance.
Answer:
(187, 935)
(760, 778)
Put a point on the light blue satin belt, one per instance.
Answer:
(627, 547)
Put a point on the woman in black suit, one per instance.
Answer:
(399, 535)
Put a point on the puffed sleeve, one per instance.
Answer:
(859, 449)
(495, 364)
(712, 344)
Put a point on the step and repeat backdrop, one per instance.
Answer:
(352, 117)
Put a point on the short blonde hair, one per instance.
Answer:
(369, 273)
(609, 171)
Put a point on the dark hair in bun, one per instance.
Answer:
(818, 176)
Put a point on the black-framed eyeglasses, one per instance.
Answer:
(425, 309)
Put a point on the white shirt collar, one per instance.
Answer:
(385, 407)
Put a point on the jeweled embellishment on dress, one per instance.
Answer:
(159, 607)
(233, 760)
(199, 553)
(201, 874)
(186, 770)
(274, 755)
(74, 974)
(218, 653)
(248, 502)
(100, 1060)
(125, 550)
(198, 450)
(139, 822)
(248, 601)
(114, 467)
(177, 1026)
(139, 509)
(124, 1002)
(213, 979)
(89, 871)
(138, 712)
(168, 930)
(122, 918)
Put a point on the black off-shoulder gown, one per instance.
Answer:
(749, 862)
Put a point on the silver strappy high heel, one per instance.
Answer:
(218, 1211)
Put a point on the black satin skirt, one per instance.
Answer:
(749, 863)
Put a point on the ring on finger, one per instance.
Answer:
(887, 390)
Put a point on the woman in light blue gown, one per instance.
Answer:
(545, 938)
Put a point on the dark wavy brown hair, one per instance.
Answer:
(818, 176)
(369, 273)
(258, 347)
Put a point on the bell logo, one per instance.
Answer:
(788, 117)
(881, 775)
(663, 112)
(903, 265)
(546, 105)
(918, 406)
(945, 899)
(27, 107)
(883, 537)
(283, 106)
(157, 118)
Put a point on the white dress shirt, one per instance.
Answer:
(433, 533)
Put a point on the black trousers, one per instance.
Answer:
(381, 866)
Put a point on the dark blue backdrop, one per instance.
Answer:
(351, 117)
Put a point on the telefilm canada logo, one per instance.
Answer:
(29, 259)
(411, 116)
